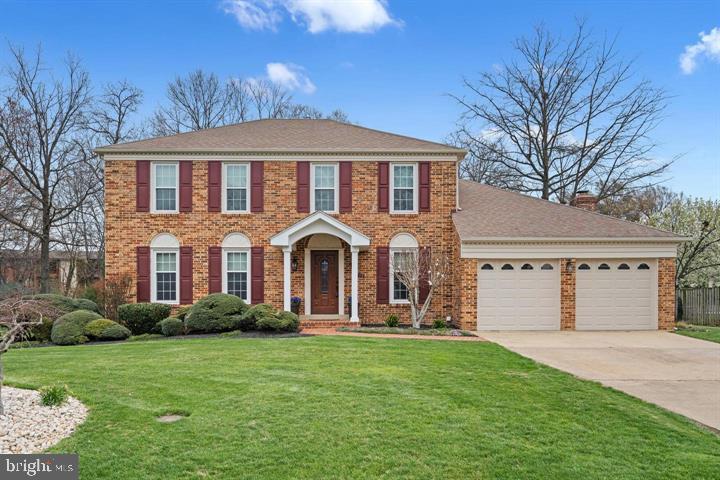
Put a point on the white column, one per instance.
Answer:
(354, 284)
(286, 278)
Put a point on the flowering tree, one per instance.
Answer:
(422, 272)
(17, 316)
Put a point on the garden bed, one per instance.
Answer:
(436, 332)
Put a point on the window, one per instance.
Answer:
(507, 266)
(235, 187)
(527, 266)
(584, 266)
(487, 266)
(164, 187)
(324, 187)
(164, 268)
(643, 266)
(236, 265)
(604, 266)
(546, 266)
(623, 266)
(403, 179)
(403, 249)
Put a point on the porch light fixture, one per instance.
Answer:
(569, 266)
(294, 264)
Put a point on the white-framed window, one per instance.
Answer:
(404, 188)
(324, 187)
(403, 248)
(236, 266)
(164, 180)
(165, 269)
(236, 188)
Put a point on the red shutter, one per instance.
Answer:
(345, 187)
(257, 173)
(186, 186)
(424, 186)
(303, 186)
(424, 285)
(214, 186)
(186, 275)
(142, 186)
(143, 273)
(382, 266)
(383, 186)
(214, 270)
(257, 265)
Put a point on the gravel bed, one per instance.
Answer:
(29, 427)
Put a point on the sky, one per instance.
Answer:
(389, 64)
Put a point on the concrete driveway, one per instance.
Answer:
(678, 373)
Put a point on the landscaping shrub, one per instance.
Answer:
(41, 332)
(171, 327)
(182, 312)
(64, 304)
(280, 322)
(217, 312)
(254, 314)
(439, 323)
(95, 328)
(142, 317)
(70, 328)
(54, 395)
(392, 320)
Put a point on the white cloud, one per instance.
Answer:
(356, 16)
(290, 76)
(709, 46)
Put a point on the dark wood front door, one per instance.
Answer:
(324, 282)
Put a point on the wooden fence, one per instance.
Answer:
(699, 306)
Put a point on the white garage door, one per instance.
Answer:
(616, 295)
(518, 295)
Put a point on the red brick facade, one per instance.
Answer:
(666, 293)
(126, 229)
(567, 294)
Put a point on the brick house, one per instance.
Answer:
(274, 209)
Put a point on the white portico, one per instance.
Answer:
(324, 279)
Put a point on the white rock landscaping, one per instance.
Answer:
(30, 427)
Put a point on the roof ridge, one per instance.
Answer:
(393, 134)
(549, 202)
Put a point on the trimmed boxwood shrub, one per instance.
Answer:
(115, 332)
(280, 322)
(182, 312)
(95, 328)
(70, 328)
(171, 327)
(65, 304)
(249, 320)
(216, 312)
(142, 317)
(41, 332)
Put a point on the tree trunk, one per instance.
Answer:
(2, 408)
(45, 261)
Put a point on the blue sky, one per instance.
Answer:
(394, 74)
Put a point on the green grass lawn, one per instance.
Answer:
(711, 334)
(349, 407)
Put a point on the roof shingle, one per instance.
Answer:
(490, 212)
(285, 136)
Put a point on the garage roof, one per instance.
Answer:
(493, 213)
(286, 136)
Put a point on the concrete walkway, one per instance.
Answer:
(681, 374)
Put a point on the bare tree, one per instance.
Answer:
(566, 116)
(424, 269)
(481, 163)
(267, 99)
(17, 316)
(638, 205)
(41, 122)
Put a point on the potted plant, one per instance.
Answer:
(295, 305)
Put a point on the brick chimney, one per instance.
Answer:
(585, 200)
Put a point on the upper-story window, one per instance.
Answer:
(164, 190)
(324, 187)
(404, 180)
(236, 197)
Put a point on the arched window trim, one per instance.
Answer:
(487, 266)
(603, 266)
(527, 266)
(643, 266)
(584, 266)
(507, 266)
(547, 266)
(623, 266)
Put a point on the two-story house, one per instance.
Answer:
(273, 209)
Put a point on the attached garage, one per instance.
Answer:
(616, 294)
(518, 295)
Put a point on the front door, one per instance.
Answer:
(324, 282)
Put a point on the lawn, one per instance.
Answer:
(348, 407)
(711, 334)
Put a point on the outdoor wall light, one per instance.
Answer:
(294, 264)
(569, 266)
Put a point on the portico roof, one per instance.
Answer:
(319, 222)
